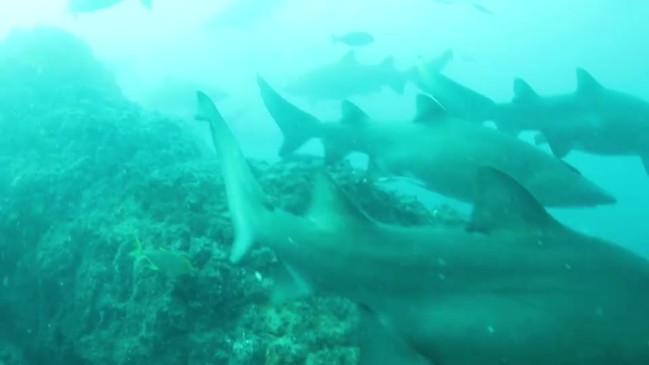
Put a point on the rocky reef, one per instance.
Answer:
(86, 176)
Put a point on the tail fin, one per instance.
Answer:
(458, 99)
(433, 66)
(297, 126)
(247, 202)
(335, 38)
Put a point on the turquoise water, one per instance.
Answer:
(100, 151)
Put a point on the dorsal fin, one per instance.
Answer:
(352, 114)
(296, 125)
(586, 83)
(331, 207)
(349, 57)
(502, 203)
(428, 109)
(523, 92)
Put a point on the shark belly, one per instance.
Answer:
(492, 329)
(483, 315)
(457, 298)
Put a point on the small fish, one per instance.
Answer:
(171, 263)
(353, 39)
(88, 6)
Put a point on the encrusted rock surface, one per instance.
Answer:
(85, 174)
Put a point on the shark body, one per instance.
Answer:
(513, 287)
(347, 77)
(441, 151)
(87, 6)
(593, 119)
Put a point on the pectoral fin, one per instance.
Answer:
(559, 144)
(645, 161)
(379, 344)
(288, 285)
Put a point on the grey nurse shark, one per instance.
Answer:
(512, 287)
(347, 77)
(442, 152)
(593, 119)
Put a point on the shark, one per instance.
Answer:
(619, 122)
(438, 150)
(347, 77)
(513, 286)
(592, 119)
(456, 98)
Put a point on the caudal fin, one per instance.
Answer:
(248, 204)
(433, 66)
(645, 161)
(147, 3)
(459, 100)
(296, 125)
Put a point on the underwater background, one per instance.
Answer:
(114, 231)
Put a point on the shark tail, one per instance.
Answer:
(644, 156)
(297, 126)
(459, 100)
(248, 204)
(434, 66)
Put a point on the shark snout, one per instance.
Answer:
(599, 196)
(607, 198)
